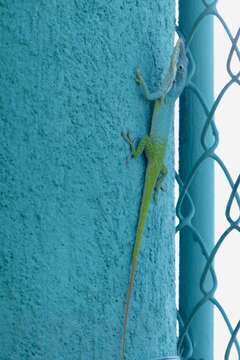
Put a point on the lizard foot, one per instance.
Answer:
(128, 138)
(138, 76)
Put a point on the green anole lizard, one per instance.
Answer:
(154, 145)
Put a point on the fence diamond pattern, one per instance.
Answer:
(185, 345)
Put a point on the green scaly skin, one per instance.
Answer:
(155, 155)
(154, 146)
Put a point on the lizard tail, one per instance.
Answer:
(150, 182)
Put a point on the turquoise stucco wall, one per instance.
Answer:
(68, 202)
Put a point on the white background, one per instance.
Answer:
(227, 118)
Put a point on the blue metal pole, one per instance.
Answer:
(192, 120)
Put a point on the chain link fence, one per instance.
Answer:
(185, 343)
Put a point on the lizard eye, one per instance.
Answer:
(180, 67)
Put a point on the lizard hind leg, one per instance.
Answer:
(160, 179)
(135, 152)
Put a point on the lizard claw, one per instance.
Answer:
(127, 137)
(138, 76)
(128, 158)
(124, 136)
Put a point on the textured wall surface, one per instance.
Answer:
(68, 201)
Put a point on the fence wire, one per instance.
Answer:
(185, 344)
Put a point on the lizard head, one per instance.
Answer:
(179, 69)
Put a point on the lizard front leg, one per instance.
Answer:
(151, 96)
